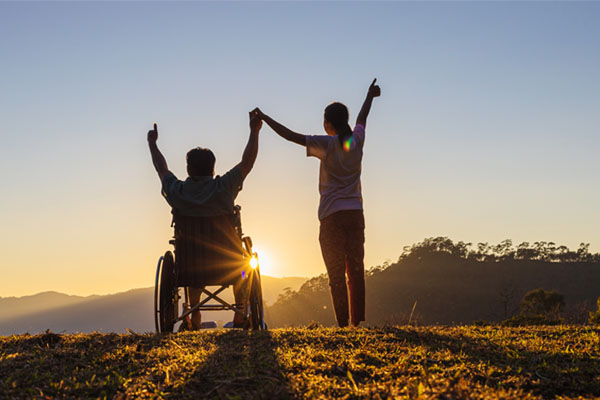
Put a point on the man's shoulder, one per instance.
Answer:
(169, 180)
(232, 173)
(232, 180)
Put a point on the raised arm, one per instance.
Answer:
(251, 151)
(374, 91)
(280, 129)
(160, 164)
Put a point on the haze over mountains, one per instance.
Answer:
(436, 281)
(110, 313)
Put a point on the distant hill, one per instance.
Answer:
(110, 313)
(11, 307)
(452, 286)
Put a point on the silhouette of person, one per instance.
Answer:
(203, 194)
(342, 224)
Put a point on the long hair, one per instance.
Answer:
(337, 115)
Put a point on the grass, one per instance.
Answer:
(557, 362)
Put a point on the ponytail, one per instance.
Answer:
(337, 115)
(344, 136)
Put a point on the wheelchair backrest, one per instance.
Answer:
(208, 250)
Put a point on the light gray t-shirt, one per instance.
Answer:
(203, 196)
(339, 174)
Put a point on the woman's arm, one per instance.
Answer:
(374, 91)
(280, 129)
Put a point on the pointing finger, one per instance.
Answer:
(373, 83)
(155, 128)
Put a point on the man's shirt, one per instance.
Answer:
(203, 196)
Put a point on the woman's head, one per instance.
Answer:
(335, 121)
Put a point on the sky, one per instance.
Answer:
(487, 127)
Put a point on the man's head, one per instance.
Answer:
(200, 162)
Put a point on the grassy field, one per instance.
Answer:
(392, 362)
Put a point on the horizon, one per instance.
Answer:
(487, 127)
(472, 249)
(126, 290)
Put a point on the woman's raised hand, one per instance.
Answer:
(374, 90)
(258, 113)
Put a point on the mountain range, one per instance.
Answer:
(120, 312)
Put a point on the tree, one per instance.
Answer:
(583, 253)
(542, 303)
(538, 307)
(595, 316)
(504, 250)
(524, 252)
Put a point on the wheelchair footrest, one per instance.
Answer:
(218, 307)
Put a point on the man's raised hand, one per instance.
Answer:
(255, 121)
(374, 90)
(153, 134)
(258, 113)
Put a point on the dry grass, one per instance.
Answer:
(391, 362)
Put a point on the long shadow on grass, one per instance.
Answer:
(549, 372)
(244, 365)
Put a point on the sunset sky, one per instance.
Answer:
(488, 126)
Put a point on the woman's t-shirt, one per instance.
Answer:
(339, 174)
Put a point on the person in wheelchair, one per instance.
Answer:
(201, 195)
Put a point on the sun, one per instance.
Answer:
(264, 261)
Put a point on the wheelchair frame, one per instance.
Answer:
(166, 291)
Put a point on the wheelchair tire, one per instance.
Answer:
(168, 296)
(256, 303)
(156, 295)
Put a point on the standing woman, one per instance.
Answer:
(342, 232)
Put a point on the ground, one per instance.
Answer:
(391, 362)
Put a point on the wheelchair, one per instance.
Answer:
(209, 252)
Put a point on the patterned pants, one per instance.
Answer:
(342, 238)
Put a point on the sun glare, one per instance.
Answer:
(265, 262)
(254, 262)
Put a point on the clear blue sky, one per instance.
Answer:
(488, 126)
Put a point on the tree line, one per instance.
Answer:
(505, 250)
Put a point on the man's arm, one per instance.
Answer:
(251, 151)
(160, 164)
(280, 129)
(374, 91)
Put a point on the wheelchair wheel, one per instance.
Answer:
(167, 295)
(256, 303)
(156, 291)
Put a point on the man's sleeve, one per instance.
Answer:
(169, 186)
(232, 181)
(316, 146)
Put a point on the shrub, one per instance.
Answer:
(595, 315)
(538, 307)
